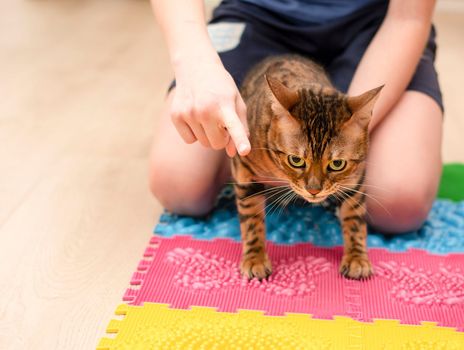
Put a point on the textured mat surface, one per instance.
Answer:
(411, 287)
(156, 326)
(452, 182)
(442, 233)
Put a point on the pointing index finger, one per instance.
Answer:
(236, 130)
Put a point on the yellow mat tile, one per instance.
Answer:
(156, 326)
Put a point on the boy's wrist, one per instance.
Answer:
(194, 54)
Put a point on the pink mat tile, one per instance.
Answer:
(410, 286)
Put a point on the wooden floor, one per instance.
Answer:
(81, 85)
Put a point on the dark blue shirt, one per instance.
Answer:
(313, 11)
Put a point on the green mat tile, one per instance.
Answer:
(452, 182)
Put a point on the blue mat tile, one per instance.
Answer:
(442, 233)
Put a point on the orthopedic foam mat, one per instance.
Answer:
(410, 286)
(187, 292)
(155, 326)
(442, 233)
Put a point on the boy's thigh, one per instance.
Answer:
(404, 162)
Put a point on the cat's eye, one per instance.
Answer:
(296, 161)
(337, 165)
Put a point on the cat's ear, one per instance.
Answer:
(286, 97)
(362, 106)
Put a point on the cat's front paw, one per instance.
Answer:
(257, 266)
(356, 267)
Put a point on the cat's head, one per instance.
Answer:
(319, 138)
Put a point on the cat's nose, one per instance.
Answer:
(314, 191)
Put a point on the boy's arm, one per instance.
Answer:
(207, 105)
(183, 26)
(392, 56)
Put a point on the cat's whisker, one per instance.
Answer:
(356, 177)
(349, 199)
(266, 206)
(274, 202)
(283, 202)
(294, 195)
(368, 185)
(361, 192)
(277, 193)
(255, 182)
(280, 201)
(271, 177)
(339, 197)
(287, 203)
(265, 191)
(272, 195)
(372, 197)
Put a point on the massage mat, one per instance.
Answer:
(187, 292)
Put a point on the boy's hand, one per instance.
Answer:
(207, 107)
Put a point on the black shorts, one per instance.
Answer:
(244, 34)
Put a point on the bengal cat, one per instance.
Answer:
(310, 139)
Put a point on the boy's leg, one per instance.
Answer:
(185, 178)
(405, 152)
(404, 164)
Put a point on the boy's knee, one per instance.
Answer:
(401, 210)
(182, 194)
